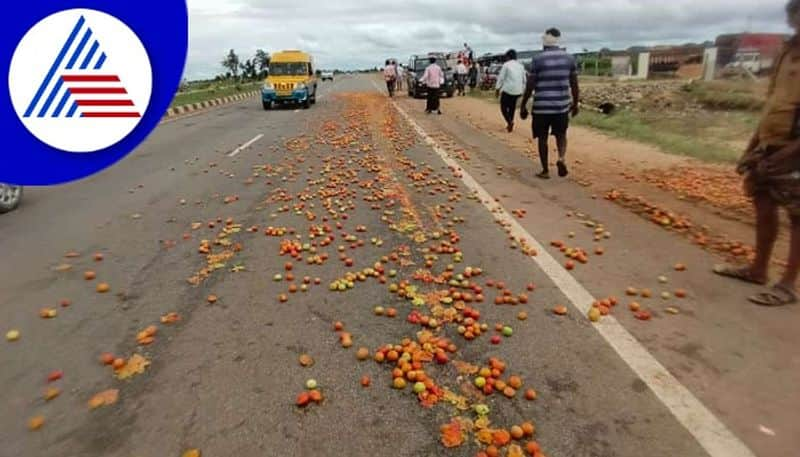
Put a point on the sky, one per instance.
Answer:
(354, 34)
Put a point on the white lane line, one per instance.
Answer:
(246, 145)
(701, 423)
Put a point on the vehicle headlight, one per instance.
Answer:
(300, 86)
(268, 86)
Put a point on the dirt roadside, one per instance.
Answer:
(704, 201)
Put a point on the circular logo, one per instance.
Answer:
(80, 80)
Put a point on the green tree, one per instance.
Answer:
(231, 62)
(248, 69)
(262, 59)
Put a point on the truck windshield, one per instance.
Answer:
(288, 69)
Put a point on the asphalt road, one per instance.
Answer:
(224, 378)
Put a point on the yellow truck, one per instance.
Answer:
(291, 79)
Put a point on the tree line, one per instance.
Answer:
(251, 69)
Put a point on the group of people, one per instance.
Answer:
(770, 165)
(466, 73)
(393, 75)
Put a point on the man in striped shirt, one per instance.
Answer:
(553, 80)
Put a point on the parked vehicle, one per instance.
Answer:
(416, 67)
(291, 80)
(326, 76)
(489, 79)
(10, 196)
(754, 52)
(754, 60)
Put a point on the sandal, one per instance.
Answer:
(562, 168)
(740, 273)
(543, 175)
(778, 295)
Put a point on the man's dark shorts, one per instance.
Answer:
(544, 124)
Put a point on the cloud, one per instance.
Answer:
(351, 34)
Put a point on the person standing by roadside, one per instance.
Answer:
(433, 78)
(390, 76)
(461, 77)
(400, 73)
(552, 79)
(473, 76)
(510, 85)
(771, 169)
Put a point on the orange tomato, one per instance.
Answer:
(528, 428)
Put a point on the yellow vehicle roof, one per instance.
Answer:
(290, 56)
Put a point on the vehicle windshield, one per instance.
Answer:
(494, 69)
(422, 64)
(288, 69)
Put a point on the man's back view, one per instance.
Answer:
(554, 82)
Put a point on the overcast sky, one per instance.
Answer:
(351, 34)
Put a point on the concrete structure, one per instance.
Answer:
(643, 66)
(709, 64)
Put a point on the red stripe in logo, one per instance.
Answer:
(104, 102)
(90, 78)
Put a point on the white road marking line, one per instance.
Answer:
(701, 423)
(246, 145)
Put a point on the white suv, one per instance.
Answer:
(326, 75)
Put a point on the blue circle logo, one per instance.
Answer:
(87, 85)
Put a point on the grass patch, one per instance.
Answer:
(628, 125)
(709, 135)
(197, 96)
(726, 95)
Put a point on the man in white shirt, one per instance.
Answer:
(510, 85)
(390, 76)
(400, 72)
(468, 52)
(433, 78)
(461, 77)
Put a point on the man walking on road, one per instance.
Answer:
(433, 78)
(390, 76)
(771, 169)
(510, 85)
(553, 76)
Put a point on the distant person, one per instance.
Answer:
(433, 78)
(468, 52)
(510, 85)
(553, 78)
(390, 76)
(473, 76)
(771, 169)
(400, 73)
(461, 77)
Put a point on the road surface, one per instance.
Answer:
(204, 207)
